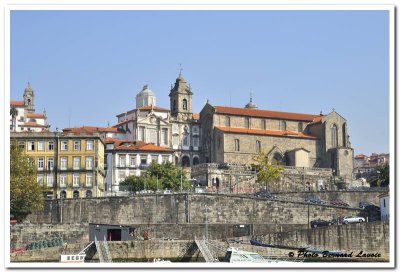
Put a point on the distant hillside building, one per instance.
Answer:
(22, 114)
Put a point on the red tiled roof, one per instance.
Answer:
(264, 113)
(90, 129)
(32, 124)
(196, 116)
(17, 102)
(135, 145)
(360, 156)
(35, 115)
(265, 132)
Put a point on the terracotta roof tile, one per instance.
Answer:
(196, 116)
(265, 132)
(17, 102)
(35, 115)
(264, 113)
(124, 145)
(90, 129)
(32, 124)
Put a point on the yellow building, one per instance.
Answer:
(70, 164)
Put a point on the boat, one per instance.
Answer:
(234, 255)
(72, 258)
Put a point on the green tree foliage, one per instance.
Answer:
(158, 176)
(26, 195)
(266, 172)
(380, 179)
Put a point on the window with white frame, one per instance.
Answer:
(132, 161)
(195, 130)
(40, 179)
(164, 137)
(89, 163)
(89, 145)
(89, 179)
(40, 162)
(122, 160)
(77, 145)
(40, 145)
(63, 180)
(154, 158)
(31, 145)
(75, 180)
(165, 158)
(50, 146)
(50, 180)
(64, 145)
(63, 163)
(50, 163)
(153, 136)
(77, 163)
(121, 176)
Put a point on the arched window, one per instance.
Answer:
(258, 146)
(300, 127)
(29, 101)
(196, 161)
(227, 121)
(283, 125)
(334, 135)
(63, 194)
(76, 194)
(88, 194)
(344, 135)
(237, 145)
(174, 105)
(184, 104)
(185, 161)
(246, 122)
(185, 140)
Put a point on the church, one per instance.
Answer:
(233, 135)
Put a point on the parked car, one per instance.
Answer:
(168, 191)
(320, 223)
(363, 203)
(338, 202)
(372, 212)
(314, 199)
(265, 194)
(353, 219)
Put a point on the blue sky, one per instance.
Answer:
(87, 66)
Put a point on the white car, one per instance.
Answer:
(353, 219)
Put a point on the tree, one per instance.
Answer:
(13, 113)
(381, 176)
(26, 195)
(158, 177)
(266, 172)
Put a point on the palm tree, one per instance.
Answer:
(381, 176)
(13, 114)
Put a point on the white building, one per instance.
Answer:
(23, 116)
(126, 158)
(384, 205)
(176, 128)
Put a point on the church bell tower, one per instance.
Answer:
(181, 98)
(29, 98)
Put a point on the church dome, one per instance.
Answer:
(146, 92)
(251, 104)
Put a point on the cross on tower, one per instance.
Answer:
(180, 69)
